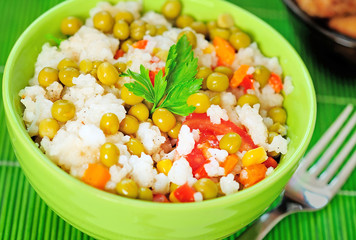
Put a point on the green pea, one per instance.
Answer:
(240, 40)
(124, 15)
(126, 44)
(184, 21)
(204, 72)
(171, 9)
(217, 82)
(121, 30)
(219, 32)
(225, 20)
(279, 128)
(207, 188)
(151, 29)
(127, 188)
(225, 70)
(261, 75)
(160, 29)
(145, 193)
(249, 99)
(230, 142)
(278, 114)
(199, 27)
(192, 38)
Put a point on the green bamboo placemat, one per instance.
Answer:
(23, 215)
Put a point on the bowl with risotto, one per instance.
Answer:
(157, 119)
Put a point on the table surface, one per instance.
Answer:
(23, 215)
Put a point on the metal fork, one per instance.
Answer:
(308, 190)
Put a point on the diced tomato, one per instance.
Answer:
(208, 138)
(140, 44)
(276, 82)
(208, 132)
(252, 174)
(202, 122)
(160, 198)
(270, 162)
(152, 75)
(196, 159)
(184, 193)
(247, 82)
(119, 53)
(200, 172)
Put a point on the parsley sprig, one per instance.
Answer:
(172, 90)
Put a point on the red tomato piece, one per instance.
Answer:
(119, 53)
(247, 82)
(208, 132)
(202, 122)
(270, 162)
(152, 75)
(160, 198)
(184, 193)
(196, 159)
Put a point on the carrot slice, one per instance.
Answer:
(252, 174)
(230, 163)
(239, 76)
(96, 175)
(140, 44)
(276, 82)
(224, 51)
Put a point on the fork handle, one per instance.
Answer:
(263, 225)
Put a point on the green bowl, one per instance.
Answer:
(108, 216)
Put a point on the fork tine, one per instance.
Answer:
(325, 158)
(330, 171)
(324, 140)
(339, 180)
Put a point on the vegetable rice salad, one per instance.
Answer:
(158, 106)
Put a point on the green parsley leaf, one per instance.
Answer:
(54, 39)
(172, 90)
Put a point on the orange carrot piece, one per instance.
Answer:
(276, 82)
(140, 44)
(252, 174)
(96, 175)
(230, 163)
(224, 51)
(239, 76)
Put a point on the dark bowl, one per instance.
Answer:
(324, 41)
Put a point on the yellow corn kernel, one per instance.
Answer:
(254, 156)
(173, 198)
(208, 49)
(164, 166)
(173, 187)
